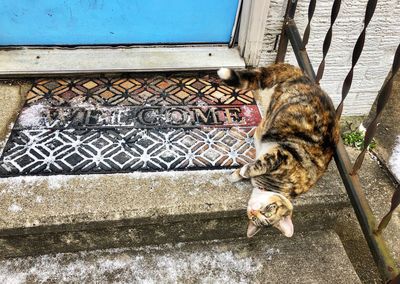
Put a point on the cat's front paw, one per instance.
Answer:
(235, 176)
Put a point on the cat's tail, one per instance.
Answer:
(243, 79)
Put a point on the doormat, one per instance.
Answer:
(147, 122)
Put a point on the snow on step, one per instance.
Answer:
(316, 257)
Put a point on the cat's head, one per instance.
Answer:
(267, 209)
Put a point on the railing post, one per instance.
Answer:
(283, 41)
(380, 252)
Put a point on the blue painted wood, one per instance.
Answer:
(73, 22)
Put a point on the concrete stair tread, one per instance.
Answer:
(71, 213)
(29, 202)
(312, 257)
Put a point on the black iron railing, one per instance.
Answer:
(348, 172)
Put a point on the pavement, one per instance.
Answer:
(378, 187)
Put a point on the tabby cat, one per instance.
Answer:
(294, 141)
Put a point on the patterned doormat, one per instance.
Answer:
(147, 122)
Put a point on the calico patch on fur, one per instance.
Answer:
(295, 139)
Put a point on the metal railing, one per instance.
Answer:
(348, 172)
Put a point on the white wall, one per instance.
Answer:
(383, 36)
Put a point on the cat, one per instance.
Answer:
(294, 141)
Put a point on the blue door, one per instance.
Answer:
(87, 22)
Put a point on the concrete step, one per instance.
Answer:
(80, 212)
(312, 257)
(71, 213)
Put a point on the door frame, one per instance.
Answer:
(47, 61)
(252, 29)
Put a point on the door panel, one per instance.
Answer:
(87, 22)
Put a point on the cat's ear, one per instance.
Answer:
(252, 229)
(285, 225)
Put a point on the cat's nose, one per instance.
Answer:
(253, 212)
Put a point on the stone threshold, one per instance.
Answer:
(47, 61)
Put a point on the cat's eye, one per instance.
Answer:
(270, 207)
(268, 214)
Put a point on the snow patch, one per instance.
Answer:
(31, 116)
(173, 174)
(39, 199)
(161, 264)
(247, 111)
(394, 160)
(56, 182)
(23, 185)
(14, 208)
(362, 129)
(81, 102)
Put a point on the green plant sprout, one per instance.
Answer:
(355, 138)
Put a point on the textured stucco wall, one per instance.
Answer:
(383, 36)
